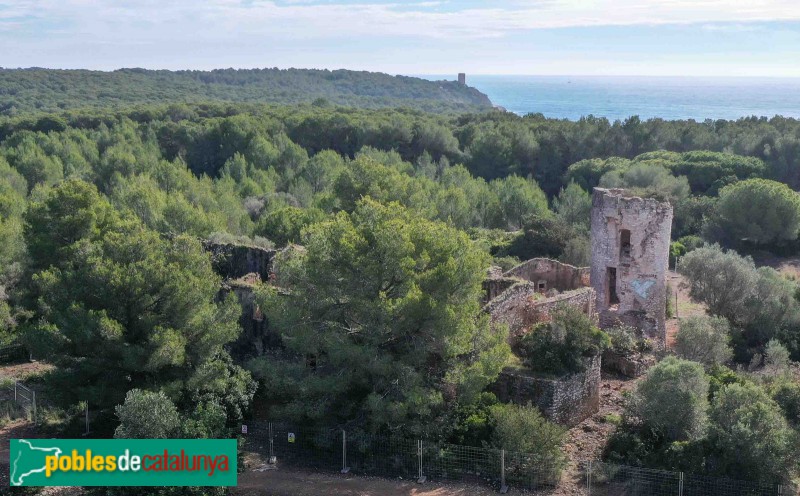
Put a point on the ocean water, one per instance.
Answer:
(614, 97)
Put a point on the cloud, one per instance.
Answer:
(160, 19)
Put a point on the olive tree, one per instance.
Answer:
(750, 436)
(704, 339)
(672, 399)
(147, 415)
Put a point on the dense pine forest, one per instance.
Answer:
(48, 90)
(394, 215)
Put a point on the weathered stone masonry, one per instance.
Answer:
(243, 268)
(233, 261)
(521, 307)
(549, 274)
(630, 250)
(527, 295)
(566, 400)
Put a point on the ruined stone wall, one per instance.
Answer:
(567, 400)
(630, 250)
(632, 365)
(255, 337)
(521, 307)
(494, 287)
(233, 261)
(551, 274)
(510, 307)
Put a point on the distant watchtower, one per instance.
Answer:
(462, 78)
(630, 253)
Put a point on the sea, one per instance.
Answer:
(617, 97)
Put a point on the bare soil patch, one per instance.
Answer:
(587, 440)
(683, 307)
(274, 480)
(24, 369)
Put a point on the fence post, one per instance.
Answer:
(503, 486)
(589, 477)
(680, 484)
(421, 479)
(33, 394)
(345, 468)
(272, 458)
(15, 391)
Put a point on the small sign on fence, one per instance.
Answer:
(291, 437)
(244, 429)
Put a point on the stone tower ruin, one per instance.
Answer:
(630, 256)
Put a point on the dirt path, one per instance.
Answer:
(273, 480)
(685, 306)
(587, 440)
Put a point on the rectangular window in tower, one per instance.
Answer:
(611, 282)
(624, 243)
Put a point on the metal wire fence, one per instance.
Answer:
(608, 479)
(21, 397)
(393, 456)
(418, 459)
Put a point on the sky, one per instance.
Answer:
(541, 37)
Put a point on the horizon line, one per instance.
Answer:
(418, 74)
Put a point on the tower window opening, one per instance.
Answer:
(625, 243)
(613, 298)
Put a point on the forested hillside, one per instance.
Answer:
(400, 213)
(48, 90)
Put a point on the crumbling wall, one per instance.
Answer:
(255, 337)
(630, 251)
(567, 400)
(521, 306)
(495, 286)
(511, 306)
(630, 365)
(551, 274)
(233, 261)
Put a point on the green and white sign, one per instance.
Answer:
(123, 462)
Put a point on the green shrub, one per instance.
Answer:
(522, 429)
(472, 423)
(506, 263)
(542, 237)
(704, 339)
(786, 393)
(690, 243)
(672, 400)
(776, 357)
(560, 346)
(720, 376)
(624, 340)
(670, 303)
(147, 415)
(676, 249)
(750, 437)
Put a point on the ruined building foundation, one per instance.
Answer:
(630, 255)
